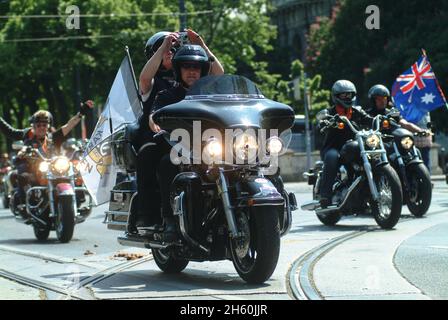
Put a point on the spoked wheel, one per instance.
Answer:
(420, 193)
(65, 219)
(255, 253)
(387, 210)
(166, 262)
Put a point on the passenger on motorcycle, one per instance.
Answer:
(40, 136)
(343, 94)
(190, 63)
(157, 75)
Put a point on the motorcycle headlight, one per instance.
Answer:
(245, 147)
(274, 145)
(43, 166)
(213, 148)
(407, 143)
(61, 165)
(372, 141)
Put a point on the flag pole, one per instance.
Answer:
(126, 48)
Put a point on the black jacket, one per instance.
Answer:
(336, 138)
(170, 96)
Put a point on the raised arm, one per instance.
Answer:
(216, 66)
(73, 122)
(9, 131)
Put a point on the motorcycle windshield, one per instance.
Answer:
(222, 102)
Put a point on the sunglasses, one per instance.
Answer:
(41, 124)
(188, 66)
(346, 95)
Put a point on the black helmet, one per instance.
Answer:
(378, 90)
(154, 42)
(344, 86)
(42, 116)
(190, 53)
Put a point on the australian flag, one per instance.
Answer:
(417, 91)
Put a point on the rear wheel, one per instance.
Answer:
(65, 219)
(420, 193)
(167, 263)
(255, 254)
(387, 210)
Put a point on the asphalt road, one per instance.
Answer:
(359, 268)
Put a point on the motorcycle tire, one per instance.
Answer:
(261, 258)
(167, 263)
(418, 175)
(65, 219)
(41, 233)
(329, 219)
(396, 197)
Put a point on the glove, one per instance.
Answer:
(85, 107)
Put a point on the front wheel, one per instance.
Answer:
(255, 253)
(387, 210)
(167, 262)
(420, 189)
(65, 219)
(41, 232)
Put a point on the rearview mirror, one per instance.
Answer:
(17, 145)
(322, 115)
(394, 113)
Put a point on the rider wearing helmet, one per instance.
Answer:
(380, 103)
(190, 63)
(343, 94)
(41, 137)
(156, 76)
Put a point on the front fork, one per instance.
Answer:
(402, 167)
(368, 167)
(223, 191)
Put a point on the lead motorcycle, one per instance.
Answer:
(406, 159)
(50, 201)
(224, 210)
(365, 178)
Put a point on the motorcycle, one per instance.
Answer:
(406, 159)
(73, 149)
(50, 200)
(365, 181)
(223, 210)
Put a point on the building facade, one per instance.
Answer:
(293, 19)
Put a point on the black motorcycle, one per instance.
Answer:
(365, 181)
(225, 208)
(407, 161)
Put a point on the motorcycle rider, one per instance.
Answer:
(157, 75)
(190, 63)
(343, 94)
(39, 136)
(379, 97)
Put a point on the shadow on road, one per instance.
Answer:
(155, 283)
(33, 241)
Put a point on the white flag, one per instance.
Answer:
(122, 106)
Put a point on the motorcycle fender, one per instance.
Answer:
(258, 191)
(413, 162)
(65, 189)
(380, 164)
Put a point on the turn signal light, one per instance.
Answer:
(341, 125)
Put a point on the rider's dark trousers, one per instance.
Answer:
(166, 173)
(150, 152)
(331, 165)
